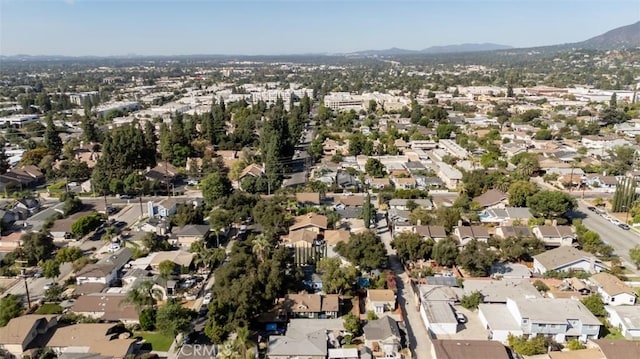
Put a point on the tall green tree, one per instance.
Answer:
(445, 252)
(10, 307)
(52, 140)
(215, 187)
(551, 204)
(172, 318)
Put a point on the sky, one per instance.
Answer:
(268, 27)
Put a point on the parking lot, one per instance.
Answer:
(471, 330)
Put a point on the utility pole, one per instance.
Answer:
(26, 286)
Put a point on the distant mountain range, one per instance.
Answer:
(447, 49)
(619, 38)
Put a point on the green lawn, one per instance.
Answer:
(49, 308)
(159, 342)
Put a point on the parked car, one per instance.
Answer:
(592, 209)
(207, 299)
(461, 318)
(48, 285)
(125, 196)
(624, 226)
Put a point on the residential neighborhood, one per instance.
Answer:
(328, 207)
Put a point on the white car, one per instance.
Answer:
(47, 285)
(207, 299)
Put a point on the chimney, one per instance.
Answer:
(419, 222)
(460, 223)
(554, 222)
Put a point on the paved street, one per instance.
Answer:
(616, 237)
(36, 285)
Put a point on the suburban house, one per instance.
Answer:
(513, 231)
(627, 319)
(301, 238)
(31, 205)
(437, 233)
(105, 271)
(618, 349)
(505, 215)
(612, 290)
(403, 182)
(308, 198)
(468, 349)
(109, 307)
(465, 234)
(20, 334)
(350, 201)
(335, 236)
(167, 207)
(180, 258)
(190, 233)
(306, 338)
(311, 306)
(498, 291)
(163, 172)
(403, 204)
(555, 236)
(562, 319)
(311, 221)
(102, 340)
(22, 177)
(383, 337)
(381, 300)
(565, 259)
(510, 271)
(252, 170)
(491, 198)
(602, 183)
(10, 242)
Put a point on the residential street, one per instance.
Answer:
(621, 241)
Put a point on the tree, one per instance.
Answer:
(624, 196)
(448, 217)
(50, 269)
(172, 318)
(37, 246)
(10, 307)
(595, 305)
(4, 159)
(364, 250)
(476, 258)
(219, 220)
(472, 300)
(411, 247)
(526, 164)
(143, 296)
(368, 212)
(86, 224)
(374, 168)
(215, 187)
(352, 324)
(541, 286)
(54, 293)
(147, 319)
(336, 278)
(260, 246)
(52, 140)
(634, 253)
(154, 243)
(444, 130)
(543, 134)
(445, 252)
(532, 346)
(520, 191)
(166, 268)
(551, 204)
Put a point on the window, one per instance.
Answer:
(613, 299)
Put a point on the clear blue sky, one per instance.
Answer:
(175, 27)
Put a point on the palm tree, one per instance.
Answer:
(260, 246)
(242, 342)
(143, 296)
(228, 351)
